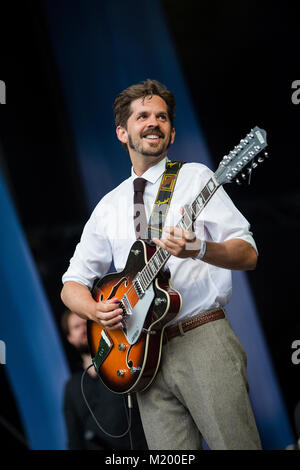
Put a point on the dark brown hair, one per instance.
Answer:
(122, 104)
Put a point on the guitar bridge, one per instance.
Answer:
(125, 306)
(138, 286)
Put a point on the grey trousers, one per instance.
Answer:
(200, 391)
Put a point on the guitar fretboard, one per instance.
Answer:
(191, 212)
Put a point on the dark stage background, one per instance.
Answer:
(239, 60)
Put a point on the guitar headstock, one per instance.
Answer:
(242, 157)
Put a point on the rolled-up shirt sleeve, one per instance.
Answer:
(93, 254)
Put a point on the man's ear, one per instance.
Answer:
(172, 135)
(122, 134)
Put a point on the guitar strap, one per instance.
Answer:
(163, 199)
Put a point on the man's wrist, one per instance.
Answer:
(202, 250)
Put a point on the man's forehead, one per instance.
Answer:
(148, 102)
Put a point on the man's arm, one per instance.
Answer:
(79, 300)
(234, 254)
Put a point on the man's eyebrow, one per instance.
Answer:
(145, 111)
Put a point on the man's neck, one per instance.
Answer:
(142, 163)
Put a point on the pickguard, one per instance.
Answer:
(136, 318)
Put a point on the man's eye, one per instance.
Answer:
(142, 116)
(162, 117)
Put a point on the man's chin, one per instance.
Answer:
(154, 152)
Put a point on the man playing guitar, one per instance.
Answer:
(200, 389)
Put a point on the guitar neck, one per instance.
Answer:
(191, 212)
(229, 168)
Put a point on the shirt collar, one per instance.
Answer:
(154, 172)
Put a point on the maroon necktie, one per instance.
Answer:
(139, 216)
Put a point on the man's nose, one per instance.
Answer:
(153, 121)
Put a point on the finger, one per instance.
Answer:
(173, 242)
(175, 231)
(111, 323)
(116, 327)
(108, 315)
(168, 246)
(108, 306)
(112, 301)
(158, 242)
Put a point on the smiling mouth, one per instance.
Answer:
(152, 137)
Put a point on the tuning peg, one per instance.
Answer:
(260, 159)
(266, 154)
(254, 165)
(243, 176)
(238, 181)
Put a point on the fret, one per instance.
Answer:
(189, 216)
(159, 257)
(147, 274)
(181, 224)
(195, 208)
(200, 202)
(153, 260)
(185, 220)
(143, 279)
(156, 263)
(152, 270)
(211, 185)
(205, 193)
(152, 267)
(149, 268)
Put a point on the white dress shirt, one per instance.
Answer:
(109, 234)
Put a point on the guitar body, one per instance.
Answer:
(134, 353)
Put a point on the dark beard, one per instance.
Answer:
(149, 153)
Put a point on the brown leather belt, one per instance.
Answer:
(181, 327)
